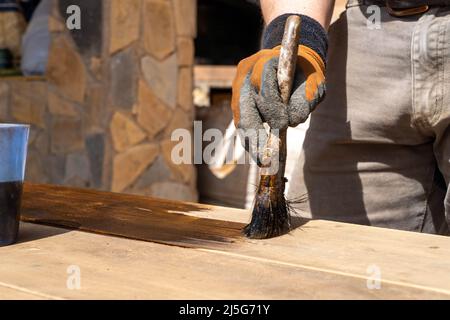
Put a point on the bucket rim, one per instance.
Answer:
(13, 125)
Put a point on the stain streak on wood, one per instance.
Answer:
(129, 216)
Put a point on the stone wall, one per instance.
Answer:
(114, 91)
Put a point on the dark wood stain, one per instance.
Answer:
(129, 216)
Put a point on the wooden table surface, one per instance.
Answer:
(317, 260)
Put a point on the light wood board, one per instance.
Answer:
(319, 259)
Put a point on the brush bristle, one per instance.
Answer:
(270, 217)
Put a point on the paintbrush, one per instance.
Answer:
(270, 216)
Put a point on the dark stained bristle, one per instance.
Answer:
(270, 217)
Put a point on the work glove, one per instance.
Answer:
(256, 96)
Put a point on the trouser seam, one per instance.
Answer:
(419, 118)
(440, 98)
(415, 121)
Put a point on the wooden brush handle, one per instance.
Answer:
(276, 149)
(288, 57)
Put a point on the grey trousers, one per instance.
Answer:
(378, 148)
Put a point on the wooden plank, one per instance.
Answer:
(402, 258)
(10, 292)
(214, 76)
(410, 260)
(118, 268)
(133, 217)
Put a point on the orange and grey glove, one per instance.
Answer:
(256, 97)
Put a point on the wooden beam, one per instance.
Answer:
(214, 76)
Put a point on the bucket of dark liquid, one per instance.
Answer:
(13, 154)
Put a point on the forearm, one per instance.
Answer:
(320, 10)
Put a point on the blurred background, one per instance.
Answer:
(104, 83)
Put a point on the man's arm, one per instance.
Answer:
(320, 10)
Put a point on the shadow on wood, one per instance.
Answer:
(28, 234)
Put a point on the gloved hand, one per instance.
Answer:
(256, 97)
